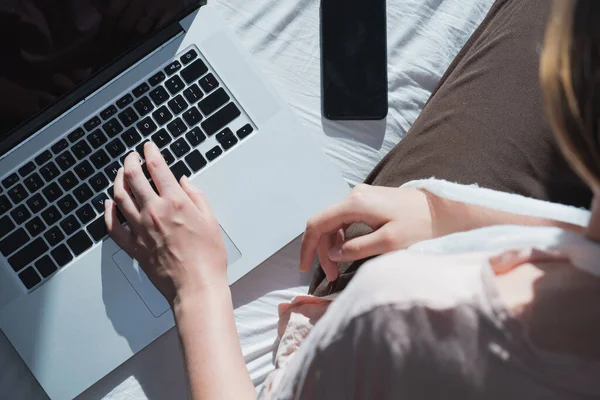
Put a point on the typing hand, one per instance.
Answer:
(399, 217)
(173, 235)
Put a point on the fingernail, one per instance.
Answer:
(335, 253)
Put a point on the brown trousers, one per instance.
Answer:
(484, 124)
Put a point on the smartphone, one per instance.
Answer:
(354, 59)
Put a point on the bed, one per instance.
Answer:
(283, 38)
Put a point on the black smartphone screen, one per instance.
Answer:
(354, 59)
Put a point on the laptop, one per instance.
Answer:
(85, 84)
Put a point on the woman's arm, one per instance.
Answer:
(214, 360)
(177, 241)
(400, 217)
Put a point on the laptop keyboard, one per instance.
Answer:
(51, 207)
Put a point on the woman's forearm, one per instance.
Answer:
(214, 360)
(449, 216)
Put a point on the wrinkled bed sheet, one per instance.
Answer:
(283, 38)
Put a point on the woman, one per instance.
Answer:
(498, 312)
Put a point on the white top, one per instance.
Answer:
(428, 322)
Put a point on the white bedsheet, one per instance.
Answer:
(283, 37)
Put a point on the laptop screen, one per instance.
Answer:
(49, 48)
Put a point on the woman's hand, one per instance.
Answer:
(174, 235)
(399, 217)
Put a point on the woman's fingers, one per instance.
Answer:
(356, 208)
(329, 267)
(124, 200)
(161, 175)
(139, 185)
(374, 244)
(119, 233)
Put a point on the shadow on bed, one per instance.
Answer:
(370, 133)
(159, 368)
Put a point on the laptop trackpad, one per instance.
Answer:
(153, 299)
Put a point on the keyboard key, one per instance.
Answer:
(140, 150)
(10, 180)
(85, 214)
(214, 153)
(6, 226)
(76, 135)
(195, 136)
(125, 101)
(111, 171)
(35, 226)
(36, 203)
(28, 254)
(52, 192)
(81, 149)
(228, 141)
(97, 139)
(83, 193)
(194, 71)
(180, 148)
(213, 102)
(244, 131)
(131, 137)
(157, 78)
(189, 57)
(223, 117)
(100, 159)
(33, 183)
(30, 278)
(144, 106)
(27, 169)
(45, 266)
(140, 90)
(169, 159)
(161, 138)
(13, 242)
(61, 255)
(98, 202)
(192, 116)
(174, 85)
(44, 157)
(179, 170)
(98, 182)
(54, 236)
(173, 67)
(178, 105)
(116, 148)
(51, 215)
(84, 170)
(59, 146)
(97, 229)
(17, 194)
(111, 192)
(112, 128)
(68, 181)
(92, 124)
(196, 161)
(67, 204)
(70, 224)
(159, 95)
(109, 112)
(49, 171)
(128, 117)
(65, 161)
(79, 242)
(162, 115)
(5, 205)
(208, 83)
(177, 127)
(147, 126)
(193, 94)
(20, 214)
